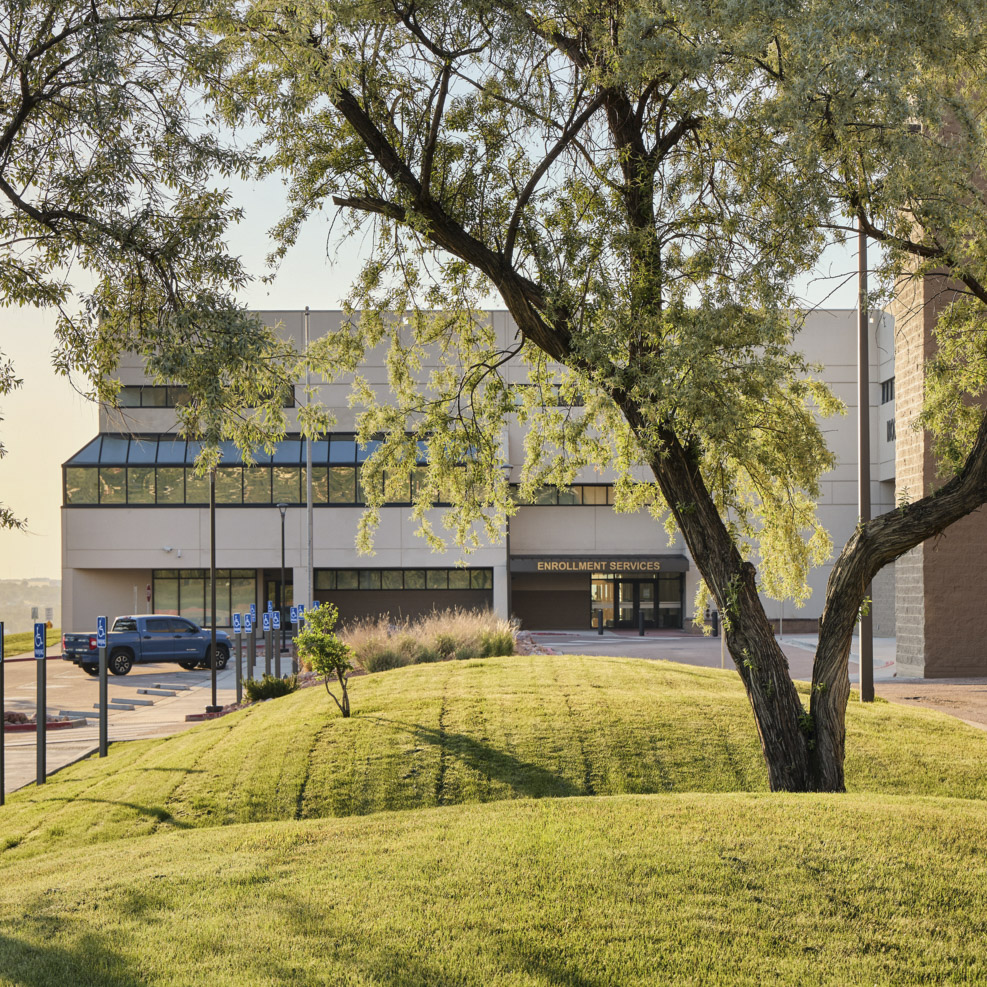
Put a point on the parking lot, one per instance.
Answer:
(72, 691)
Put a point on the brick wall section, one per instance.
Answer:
(941, 617)
(911, 341)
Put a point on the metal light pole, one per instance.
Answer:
(507, 467)
(3, 711)
(310, 571)
(863, 456)
(214, 708)
(282, 508)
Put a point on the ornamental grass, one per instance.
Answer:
(383, 642)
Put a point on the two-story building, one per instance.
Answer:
(136, 531)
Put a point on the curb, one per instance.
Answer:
(33, 727)
(196, 717)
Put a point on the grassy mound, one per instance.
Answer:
(469, 732)
(737, 889)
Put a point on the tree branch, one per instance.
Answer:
(560, 145)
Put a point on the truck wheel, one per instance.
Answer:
(188, 665)
(222, 657)
(90, 669)
(120, 663)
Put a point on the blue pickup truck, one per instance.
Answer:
(144, 640)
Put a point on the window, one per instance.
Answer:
(256, 485)
(186, 594)
(342, 485)
(148, 470)
(112, 485)
(171, 485)
(165, 396)
(81, 486)
(370, 579)
(229, 485)
(196, 488)
(140, 485)
(887, 390)
(287, 487)
(328, 580)
(459, 579)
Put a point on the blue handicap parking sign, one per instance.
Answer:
(315, 604)
(236, 623)
(277, 620)
(267, 621)
(100, 632)
(301, 610)
(40, 647)
(294, 615)
(270, 606)
(253, 611)
(248, 623)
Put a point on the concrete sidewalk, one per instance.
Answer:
(166, 716)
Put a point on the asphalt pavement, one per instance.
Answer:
(72, 691)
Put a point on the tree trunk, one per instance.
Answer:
(782, 722)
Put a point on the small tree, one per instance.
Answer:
(322, 649)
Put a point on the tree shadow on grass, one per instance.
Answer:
(157, 812)
(90, 961)
(397, 956)
(527, 780)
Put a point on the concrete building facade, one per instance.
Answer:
(136, 534)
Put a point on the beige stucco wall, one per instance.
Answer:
(132, 538)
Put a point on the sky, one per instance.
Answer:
(46, 420)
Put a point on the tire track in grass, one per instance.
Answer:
(575, 725)
(440, 776)
(309, 757)
(227, 726)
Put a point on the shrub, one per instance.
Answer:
(324, 653)
(269, 687)
(380, 643)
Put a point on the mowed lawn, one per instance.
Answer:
(732, 889)
(538, 820)
(477, 731)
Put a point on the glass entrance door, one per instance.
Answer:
(659, 599)
(626, 593)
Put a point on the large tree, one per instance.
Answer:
(109, 210)
(641, 183)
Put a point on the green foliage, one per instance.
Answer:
(110, 176)
(269, 687)
(322, 651)
(657, 277)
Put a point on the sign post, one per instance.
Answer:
(251, 643)
(267, 642)
(238, 633)
(293, 614)
(3, 721)
(40, 651)
(103, 711)
(276, 635)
